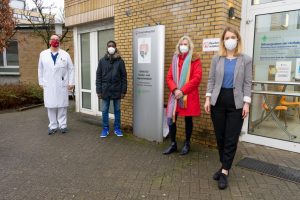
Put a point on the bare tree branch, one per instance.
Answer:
(45, 27)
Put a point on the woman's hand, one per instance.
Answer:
(245, 110)
(207, 105)
(178, 94)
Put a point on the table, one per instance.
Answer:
(281, 93)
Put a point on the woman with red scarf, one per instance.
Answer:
(183, 79)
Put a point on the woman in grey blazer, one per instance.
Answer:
(228, 97)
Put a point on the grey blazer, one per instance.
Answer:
(241, 82)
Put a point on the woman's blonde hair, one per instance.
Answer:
(185, 37)
(238, 49)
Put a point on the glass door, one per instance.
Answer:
(85, 64)
(276, 67)
(103, 37)
(92, 47)
(271, 30)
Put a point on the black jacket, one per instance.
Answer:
(111, 78)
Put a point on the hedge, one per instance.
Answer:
(16, 96)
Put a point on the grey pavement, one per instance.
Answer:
(80, 165)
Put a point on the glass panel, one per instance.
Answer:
(103, 37)
(1, 60)
(86, 100)
(85, 61)
(276, 59)
(12, 55)
(255, 2)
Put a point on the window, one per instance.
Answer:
(9, 59)
(12, 56)
(2, 59)
(256, 2)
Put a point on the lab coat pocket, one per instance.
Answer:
(62, 67)
(61, 63)
(64, 82)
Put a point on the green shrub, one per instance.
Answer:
(16, 96)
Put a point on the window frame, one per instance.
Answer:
(6, 66)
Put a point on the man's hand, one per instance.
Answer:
(99, 96)
(122, 96)
(71, 87)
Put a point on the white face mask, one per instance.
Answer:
(183, 48)
(230, 44)
(111, 50)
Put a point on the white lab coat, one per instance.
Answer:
(55, 78)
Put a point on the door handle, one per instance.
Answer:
(248, 21)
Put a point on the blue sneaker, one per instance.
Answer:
(118, 132)
(104, 133)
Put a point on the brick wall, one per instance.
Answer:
(29, 47)
(197, 18)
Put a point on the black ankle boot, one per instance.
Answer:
(216, 175)
(223, 182)
(186, 148)
(171, 148)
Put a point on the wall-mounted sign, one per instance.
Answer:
(283, 71)
(211, 44)
(276, 45)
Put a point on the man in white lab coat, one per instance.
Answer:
(56, 77)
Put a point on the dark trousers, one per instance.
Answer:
(228, 122)
(188, 129)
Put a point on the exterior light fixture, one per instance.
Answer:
(231, 14)
(128, 12)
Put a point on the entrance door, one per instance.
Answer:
(272, 30)
(103, 37)
(91, 47)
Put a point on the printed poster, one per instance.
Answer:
(144, 50)
(283, 71)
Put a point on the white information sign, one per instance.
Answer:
(148, 82)
(283, 71)
(211, 44)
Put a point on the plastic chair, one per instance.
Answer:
(290, 104)
(277, 108)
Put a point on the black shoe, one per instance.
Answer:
(51, 131)
(171, 148)
(186, 148)
(216, 175)
(223, 182)
(63, 130)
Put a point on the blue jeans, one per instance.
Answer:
(117, 111)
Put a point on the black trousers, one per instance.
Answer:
(188, 129)
(228, 122)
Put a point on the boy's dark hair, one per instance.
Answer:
(111, 41)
